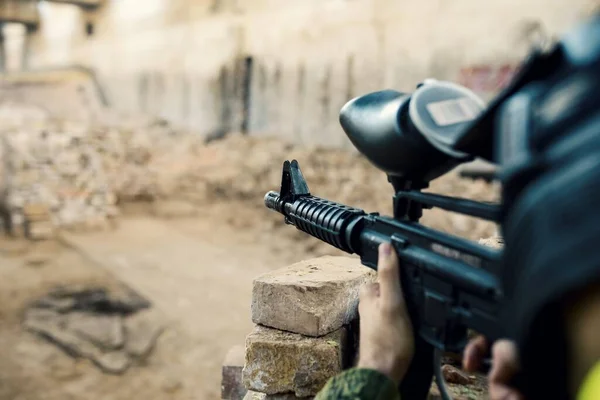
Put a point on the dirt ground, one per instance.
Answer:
(204, 295)
(196, 269)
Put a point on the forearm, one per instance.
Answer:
(358, 384)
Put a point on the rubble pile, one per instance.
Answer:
(82, 170)
(245, 168)
(143, 156)
(242, 168)
(58, 169)
(114, 331)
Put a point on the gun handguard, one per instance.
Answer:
(318, 217)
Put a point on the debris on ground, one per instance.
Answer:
(112, 331)
(55, 169)
(454, 375)
(38, 259)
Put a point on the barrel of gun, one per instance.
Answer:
(321, 218)
(274, 202)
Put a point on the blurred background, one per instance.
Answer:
(271, 66)
(138, 139)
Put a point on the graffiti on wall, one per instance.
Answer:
(487, 78)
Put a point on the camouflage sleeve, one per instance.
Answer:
(358, 384)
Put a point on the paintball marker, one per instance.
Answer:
(543, 133)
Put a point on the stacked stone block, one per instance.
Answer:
(302, 336)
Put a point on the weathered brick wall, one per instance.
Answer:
(185, 60)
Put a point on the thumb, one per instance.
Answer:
(388, 273)
(505, 362)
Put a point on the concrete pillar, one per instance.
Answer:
(14, 36)
(2, 50)
(25, 50)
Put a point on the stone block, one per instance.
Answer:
(284, 362)
(251, 395)
(232, 386)
(104, 331)
(313, 297)
(49, 324)
(143, 330)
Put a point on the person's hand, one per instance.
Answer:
(505, 364)
(386, 335)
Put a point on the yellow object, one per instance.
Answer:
(590, 390)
